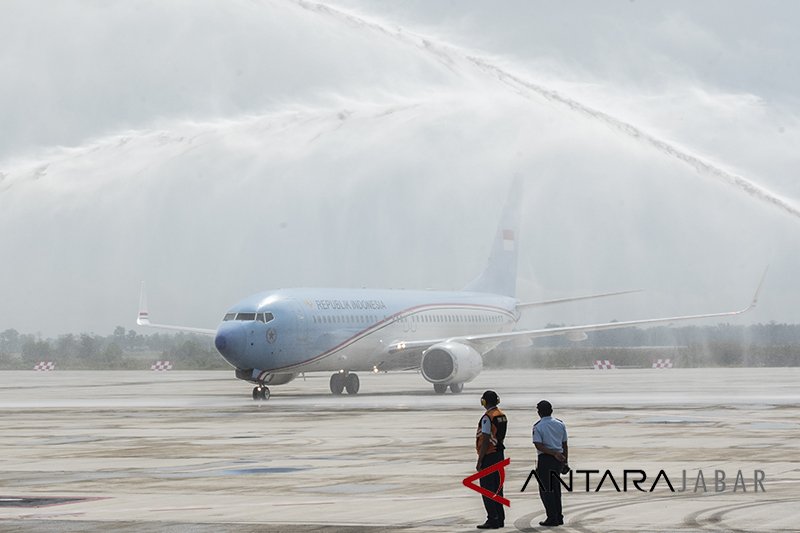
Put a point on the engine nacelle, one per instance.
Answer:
(451, 362)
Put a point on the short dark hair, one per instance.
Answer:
(491, 397)
(545, 408)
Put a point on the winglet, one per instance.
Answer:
(144, 317)
(758, 290)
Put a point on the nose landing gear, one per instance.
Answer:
(261, 392)
(341, 381)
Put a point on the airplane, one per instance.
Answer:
(272, 337)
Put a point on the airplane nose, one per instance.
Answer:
(230, 342)
(221, 342)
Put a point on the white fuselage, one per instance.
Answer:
(305, 330)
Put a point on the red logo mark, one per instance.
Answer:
(469, 482)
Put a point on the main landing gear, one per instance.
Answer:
(261, 392)
(341, 381)
(441, 388)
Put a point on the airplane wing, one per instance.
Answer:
(144, 319)
(528, 305)
(576, 333)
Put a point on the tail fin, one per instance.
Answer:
(500, 274)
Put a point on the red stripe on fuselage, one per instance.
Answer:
(389, 320)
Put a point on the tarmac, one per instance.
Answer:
(191, 451)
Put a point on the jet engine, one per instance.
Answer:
(451, 362)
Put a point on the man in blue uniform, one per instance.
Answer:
(550, 439)
(489, 445)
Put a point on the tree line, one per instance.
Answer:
(122, 349)
(771, 344)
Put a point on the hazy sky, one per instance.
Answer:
(216, 149)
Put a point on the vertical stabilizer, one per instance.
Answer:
(500, 274)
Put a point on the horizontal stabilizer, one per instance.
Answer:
(530, 305)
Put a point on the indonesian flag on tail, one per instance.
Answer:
(508, 240)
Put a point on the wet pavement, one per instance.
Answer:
(190, 451)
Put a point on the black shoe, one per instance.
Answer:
(490, 525)
(550, 523)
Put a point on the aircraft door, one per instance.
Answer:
(301, 323)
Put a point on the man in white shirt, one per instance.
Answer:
(550, 439)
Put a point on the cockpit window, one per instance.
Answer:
(260, 317)
(264, 317)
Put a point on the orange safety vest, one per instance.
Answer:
(498, 422)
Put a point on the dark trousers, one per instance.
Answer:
(548, 468)
(494, 510)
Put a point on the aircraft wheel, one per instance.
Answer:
(261, 392)
(456, 388)
(352, 384)
(439, 388)
(337, 383)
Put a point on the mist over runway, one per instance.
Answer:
(188, 451)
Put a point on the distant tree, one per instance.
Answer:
(111, 357)
(195, 353)
(34, 351)
(67, 348)
(132, 339)
(89, 347)
(9, 341)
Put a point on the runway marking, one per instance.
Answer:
(41, 501)
(182, 509)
